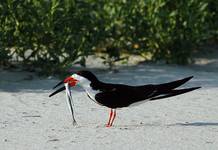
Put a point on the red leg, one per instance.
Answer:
(114, 115)
(111, 114)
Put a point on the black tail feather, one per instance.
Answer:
(174, 93)
(166, 87)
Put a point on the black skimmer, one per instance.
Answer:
(116, 96)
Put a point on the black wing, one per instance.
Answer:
(123, 95)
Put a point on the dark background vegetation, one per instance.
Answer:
(58, 33)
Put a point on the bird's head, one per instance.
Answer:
(81, 77)
(71, 81)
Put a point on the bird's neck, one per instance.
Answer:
(90, 88)
(87, 84)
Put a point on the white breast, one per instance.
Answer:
(85, 84)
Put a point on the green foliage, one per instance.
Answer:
(175, 28)
(53, 34)
(47, 34)
(212, 20)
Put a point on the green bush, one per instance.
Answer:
(175, 27)
(47, 33)
(213, 19)
(54, 34)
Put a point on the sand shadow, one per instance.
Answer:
(196, 124)
(187, 124)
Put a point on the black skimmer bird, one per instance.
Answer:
(116, 96)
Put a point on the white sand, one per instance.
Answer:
(30, 120)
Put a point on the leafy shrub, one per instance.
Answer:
(213, 19)
(175, 27)
(54, 34)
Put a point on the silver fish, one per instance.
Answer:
(70, 101)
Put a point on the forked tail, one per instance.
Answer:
(174, 93)
(166, 87)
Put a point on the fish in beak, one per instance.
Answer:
(68, 82)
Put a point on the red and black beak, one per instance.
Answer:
(70, 80)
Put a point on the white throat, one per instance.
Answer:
(85, 84)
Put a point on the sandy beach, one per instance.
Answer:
(30, 120)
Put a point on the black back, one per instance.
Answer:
(120, 95)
